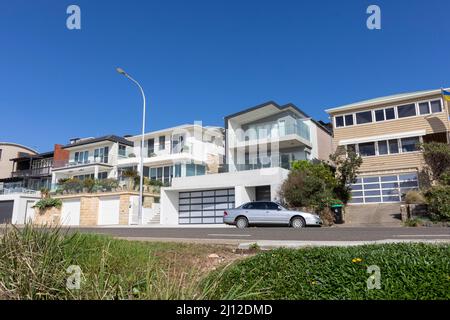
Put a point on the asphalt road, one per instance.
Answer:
(277, 234)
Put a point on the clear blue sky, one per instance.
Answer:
(204, 59)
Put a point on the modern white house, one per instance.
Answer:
(260, 145)
(95, 158)
(181, 151)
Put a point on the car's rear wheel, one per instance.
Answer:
(298, 222)
(241, 223)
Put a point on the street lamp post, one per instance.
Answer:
(141, 160)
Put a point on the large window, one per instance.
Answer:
(367, 149)
(101, 155)
(81, 157)
(407, 110)
(122, 150)
(436, 106)
(390, 113)
(385, 147)
(363, 117)
(339, 121)
(410, 144)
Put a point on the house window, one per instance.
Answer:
(200, 170)
(81, 157)
(364, 117)
(177, 143)
(101, 155)
(349, 120)
(162, 142)
(122, 150)
(1, 154)
(339, 121)
(407, 110)
(150, 147)
(379, 115)
(436, 106)
(102, 175)
(190, 169)
(382, 147)
(178, 170)
(367, 149)
(153, 173)
(424, 108)
(390, 113)
(410, 144)
(393, 146)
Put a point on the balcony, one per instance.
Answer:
(36, 172)
(66, 164)
(296, 133)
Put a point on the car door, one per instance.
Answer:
(255, 212)
(274, 214)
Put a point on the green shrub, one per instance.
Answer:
(438, 199)
(108, 184)
(89, 184)
(415, 222)
(46, 203)
(414, 197)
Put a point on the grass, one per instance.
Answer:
(408, 271)
(33, 264)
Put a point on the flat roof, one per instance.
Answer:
(110, 137)
(286, 106)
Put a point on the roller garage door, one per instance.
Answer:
(200, 207)
(108, 213)
(6, 211)
(70, 213)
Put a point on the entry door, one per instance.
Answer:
(70, 213)
(262, 193)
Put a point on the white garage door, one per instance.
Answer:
(383, 189)
(108, 212)
(70, 213)
(204, 206)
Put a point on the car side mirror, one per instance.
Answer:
(279, 209)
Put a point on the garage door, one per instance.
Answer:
(207, 206)
(108, 212)
(6, 211)
(383, 189)
(70, 213)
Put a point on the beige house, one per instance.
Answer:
(9, 151)
(385, 132)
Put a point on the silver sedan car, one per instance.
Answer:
(268, 213)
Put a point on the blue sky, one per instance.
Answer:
(204, 59)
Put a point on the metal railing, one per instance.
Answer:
(31, 172)
(18, 190)
(276, 131)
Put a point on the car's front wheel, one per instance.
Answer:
(241, 223)
(298, 222)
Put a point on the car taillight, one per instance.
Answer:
(225, 213)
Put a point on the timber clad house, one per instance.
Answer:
(386, 132)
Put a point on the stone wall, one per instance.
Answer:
(50, 216)
(89, 211)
